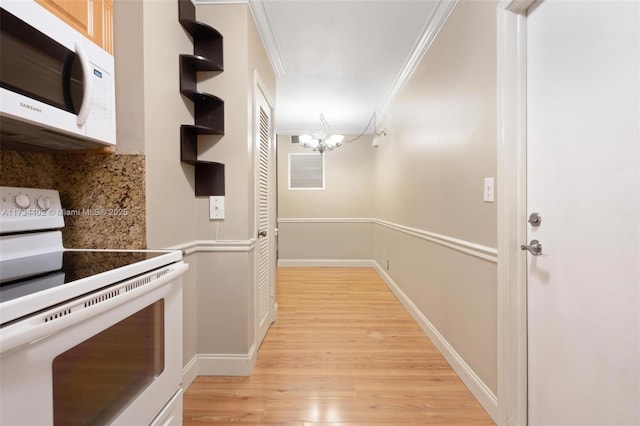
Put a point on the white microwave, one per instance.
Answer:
(57, 87)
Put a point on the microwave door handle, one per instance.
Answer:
(85, 107)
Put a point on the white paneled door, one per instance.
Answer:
(264, 289)
(583, 178)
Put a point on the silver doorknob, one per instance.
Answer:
(534, 247)
(262, 234)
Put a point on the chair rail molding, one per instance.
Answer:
(483, 252)
(200, 246)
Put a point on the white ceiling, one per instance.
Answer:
(344, 59)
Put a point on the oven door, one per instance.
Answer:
(111, 357)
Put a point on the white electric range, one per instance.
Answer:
(86, 336)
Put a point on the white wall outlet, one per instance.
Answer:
(216, 207)
(488, 189)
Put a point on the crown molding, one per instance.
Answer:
(434, 24)
(261, 19)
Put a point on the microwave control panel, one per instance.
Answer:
(102, 91)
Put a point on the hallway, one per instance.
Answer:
(342, 351)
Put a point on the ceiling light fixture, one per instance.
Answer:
(321, 140)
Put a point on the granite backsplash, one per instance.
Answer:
(103, 195)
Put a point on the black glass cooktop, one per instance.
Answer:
(20, 277)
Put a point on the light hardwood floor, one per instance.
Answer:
(342, 351)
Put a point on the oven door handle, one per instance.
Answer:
(35, 328)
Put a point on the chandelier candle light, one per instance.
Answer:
(321, 141)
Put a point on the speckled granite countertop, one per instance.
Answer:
(104, 194)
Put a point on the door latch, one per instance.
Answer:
(534, 247)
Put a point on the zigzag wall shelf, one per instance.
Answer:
(208, 109)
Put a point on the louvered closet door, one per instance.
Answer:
(264, 283)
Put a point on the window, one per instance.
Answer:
(306, 171)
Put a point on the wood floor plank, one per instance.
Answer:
(343, 351)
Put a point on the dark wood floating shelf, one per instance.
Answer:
(208, 109)
(207, 41)
(209, 178)
(199, 63)
(189, 142)
(201, 97)
(200, 130)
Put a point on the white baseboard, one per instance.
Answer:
(483, 394)
(219, 365)
(331, 263)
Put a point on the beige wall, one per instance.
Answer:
(224, 303)
(325, 240)
(232, 149)
(243, 53)
(128, 45)
(226, 280)
(429, 174)
(442, 134)
(218, 288)
(348, 193)
(170, 193)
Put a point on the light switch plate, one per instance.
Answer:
(216, 207)
(488, 189)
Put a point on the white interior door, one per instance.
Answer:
(264, 291)
(583, 156)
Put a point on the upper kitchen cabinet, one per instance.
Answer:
(92, 18)
(107, 25)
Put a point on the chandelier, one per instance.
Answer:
(322, 140)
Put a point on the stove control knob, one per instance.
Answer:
(22, 200)
(43, 203)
